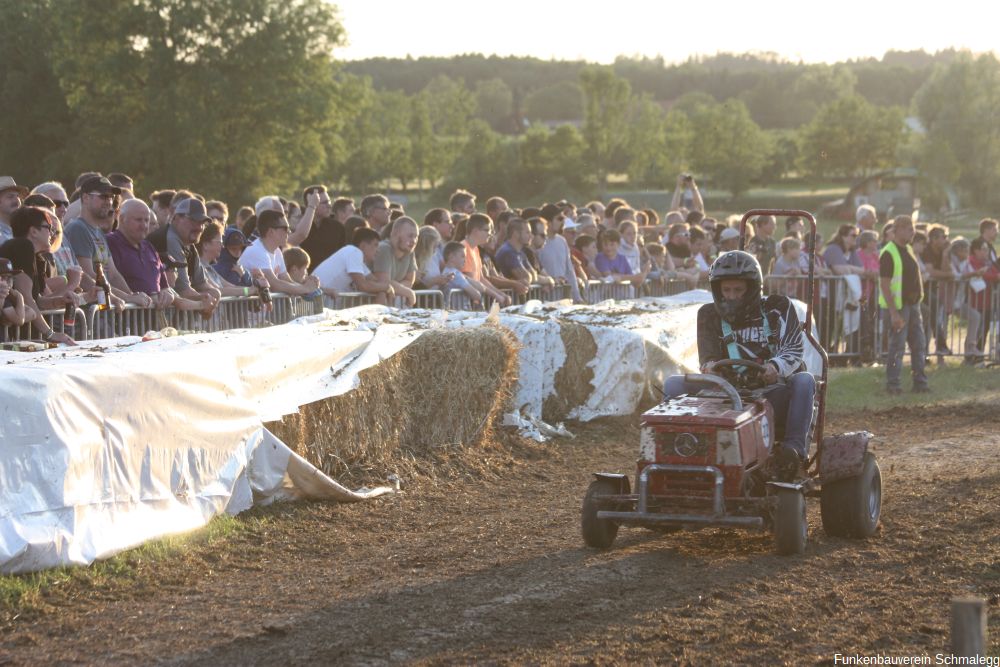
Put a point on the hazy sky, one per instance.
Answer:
(600, 31)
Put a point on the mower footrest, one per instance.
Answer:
(645, 518)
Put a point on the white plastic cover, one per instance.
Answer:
(117, 442)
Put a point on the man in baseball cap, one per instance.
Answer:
(11, 195)
(178, 240)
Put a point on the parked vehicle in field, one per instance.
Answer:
(708, 458)
(892, 193)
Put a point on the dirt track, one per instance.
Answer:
(493, 570)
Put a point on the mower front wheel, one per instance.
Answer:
(790, 526)
(598, 533)
(852, 507)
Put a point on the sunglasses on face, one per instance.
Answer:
(47, 227)
(105, 196)
(60, 203)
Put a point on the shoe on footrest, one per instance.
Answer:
(788, 465)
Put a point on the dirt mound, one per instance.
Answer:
(443, 392)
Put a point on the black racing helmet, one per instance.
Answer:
(737, 265)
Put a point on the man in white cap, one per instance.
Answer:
(729, 239)
(11, 195)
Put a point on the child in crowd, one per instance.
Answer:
(787, 266)
(983, 277)
(630, 247)
(868, 253)
(587, 247)
(15, 313)
(297, 264)
(612, 265)
(454, 260)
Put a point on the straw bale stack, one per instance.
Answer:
(446, 390)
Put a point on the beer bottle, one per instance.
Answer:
(69, 316)
(263, 291)
(103, 288)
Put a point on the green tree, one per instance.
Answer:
(483, 165)
(234, 97)
(605, 111)
(850, 136)
(816, 87)
(727, 146)
(560, 101)
(494, 103)
(959, 107)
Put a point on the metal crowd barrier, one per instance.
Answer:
(958, 322)
(55, 319)
(598, 291)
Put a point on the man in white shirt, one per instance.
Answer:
(265, 254)
(347, 269)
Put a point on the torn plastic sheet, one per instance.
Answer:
(536, 429)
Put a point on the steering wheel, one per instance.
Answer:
(752, 381)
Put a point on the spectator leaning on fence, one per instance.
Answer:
(227, 265)
(69, 274)
(210, 248)
(28, 252)
(940, 291)
(454, 260)
(900, 294)
(554, 254)
(136, 259)
(347, 269)
(265, 255)
(476, 234)
(85, 236)
(394, 259)
(429, 255)
(12, 310)
(177, 240)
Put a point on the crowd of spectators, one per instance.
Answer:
(177, 249)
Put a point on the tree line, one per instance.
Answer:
(240, 97)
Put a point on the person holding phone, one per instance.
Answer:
(687, 195)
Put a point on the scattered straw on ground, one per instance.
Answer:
(442, 393)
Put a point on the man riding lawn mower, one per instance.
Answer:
(730, 446)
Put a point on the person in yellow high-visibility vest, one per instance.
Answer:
(900, 294)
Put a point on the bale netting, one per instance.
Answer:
(444, 391)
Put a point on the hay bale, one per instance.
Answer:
(573, 383)
(445, 390)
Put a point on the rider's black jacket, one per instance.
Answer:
(751, 340)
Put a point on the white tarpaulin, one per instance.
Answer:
(117, 442)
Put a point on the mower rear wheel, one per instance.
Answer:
(790, 526)
(852, 507)
(598, 533)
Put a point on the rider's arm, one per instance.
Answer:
(787, 359)
(710, 347)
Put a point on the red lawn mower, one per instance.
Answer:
(707, 459)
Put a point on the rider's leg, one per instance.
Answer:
(793, 406)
